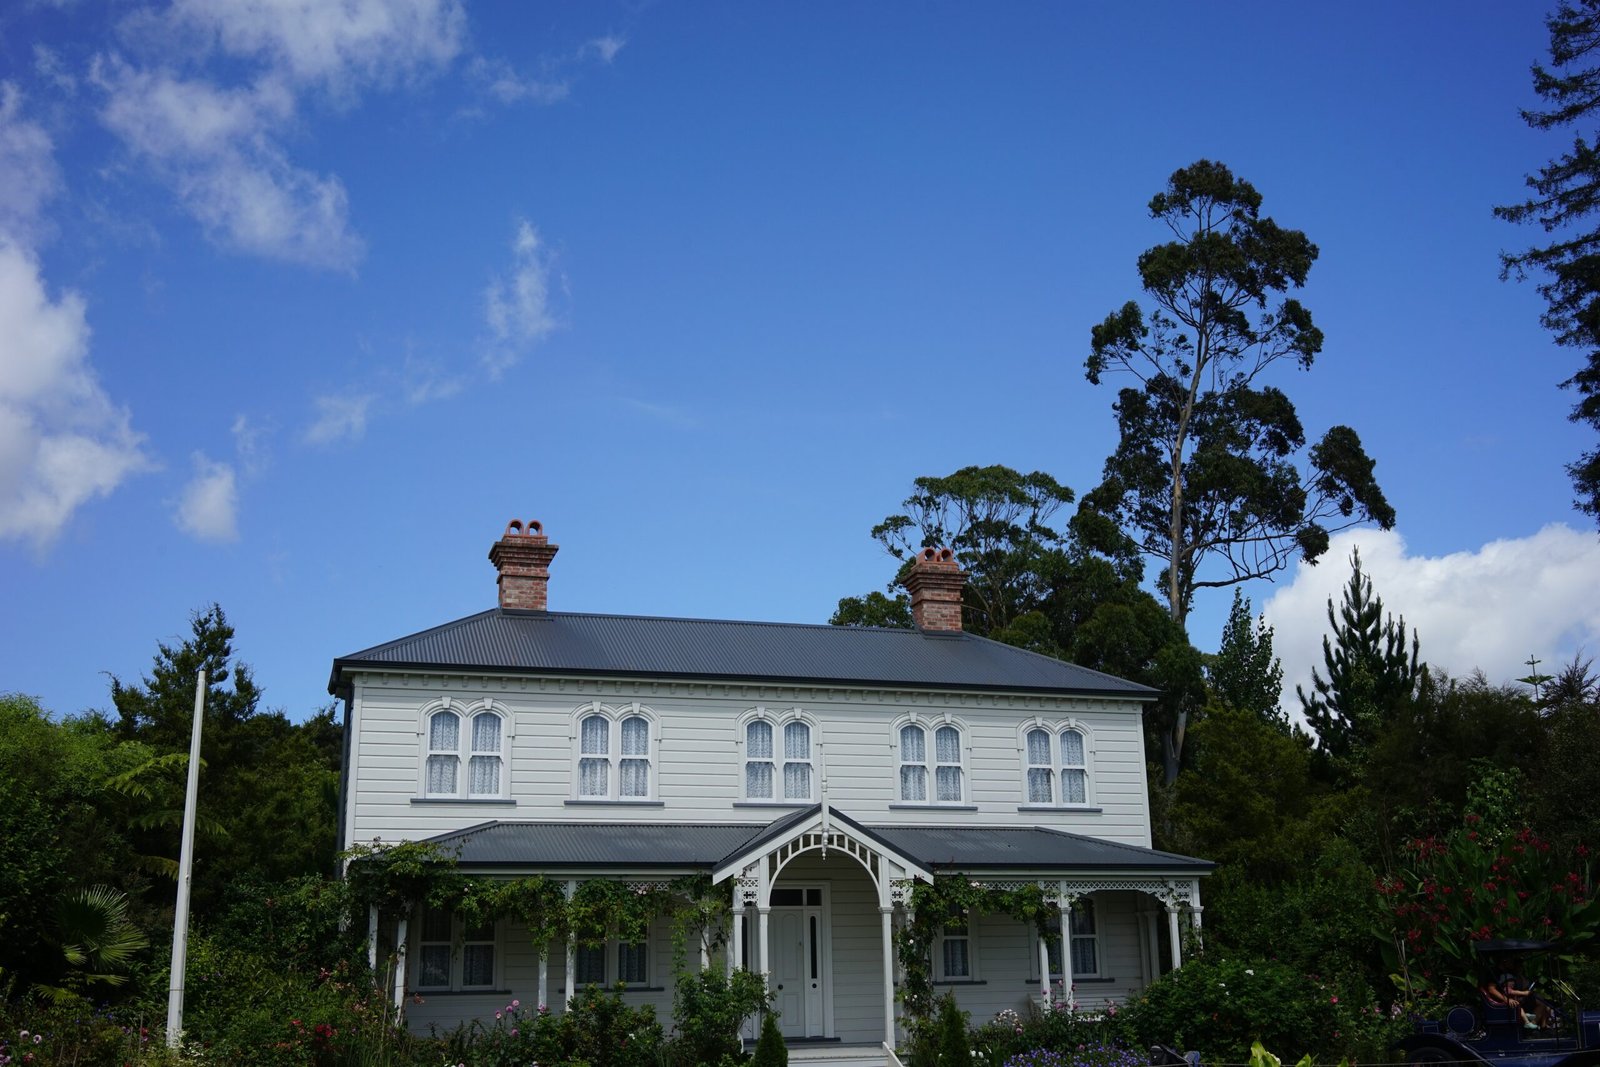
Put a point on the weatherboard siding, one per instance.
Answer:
(698, 765)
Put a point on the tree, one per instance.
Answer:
(1244, 674)
(1566, 197)
(1071, 592)
(1370, 673)
(1209, 462)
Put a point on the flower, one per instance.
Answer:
(516, 1004)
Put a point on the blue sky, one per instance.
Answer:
(300, 302)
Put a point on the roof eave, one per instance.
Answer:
(338, 685)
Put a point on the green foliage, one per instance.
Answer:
(1224, 1006)
(1098, 1039)
(954, 1048)
(874, 609)
(1208, 465)
(770, 1049)
(1244, 673)
(947, 900)
(1470, 886)
(1370, 675)
(1566, 193)
(709, 1010)
(73, 1033)
(600, 1030)
(98, 940)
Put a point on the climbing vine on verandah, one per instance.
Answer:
(397, 878)
(949, 900)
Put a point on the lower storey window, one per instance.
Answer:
(608, 964)
(1085, 943)
(453, 955)
(955, 953)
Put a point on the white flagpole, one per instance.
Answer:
(180, 918)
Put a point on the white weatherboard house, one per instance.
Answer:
(816, 768)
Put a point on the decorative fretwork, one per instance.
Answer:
(748, 889)
(863, 853)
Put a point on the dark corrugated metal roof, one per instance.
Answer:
(544, 845)
(1033, 847)
(538, 642)
(595, 844)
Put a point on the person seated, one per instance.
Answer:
(1518, 993)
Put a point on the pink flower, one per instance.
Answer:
(1333, 1000)
(516, 1003)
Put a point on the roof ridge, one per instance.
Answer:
(826, 626)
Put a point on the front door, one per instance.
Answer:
(798, 954)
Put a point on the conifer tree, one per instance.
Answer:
(1244, 674)
(1369, 673)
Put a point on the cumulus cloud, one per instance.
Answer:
(28, 173)
(337, 45)
(1486, 609)
(212, 145)
(517, 305)
(209, 508)
(220, 146)
(62, 440)
(338, 418)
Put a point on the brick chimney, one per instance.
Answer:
(935, 582)
(522, 556)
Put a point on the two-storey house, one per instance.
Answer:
(816, 768)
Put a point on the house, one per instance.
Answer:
(819, 771)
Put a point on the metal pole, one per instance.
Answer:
(180, 918)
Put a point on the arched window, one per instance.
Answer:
(779, 758)
(931, 773)
(615, 753)
(1055, 766)
(465, 754)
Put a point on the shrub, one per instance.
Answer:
(1095, 1055)
(770, 1049)
(1221, 1007)
(710, 1009)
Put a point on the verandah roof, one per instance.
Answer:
(697, 846)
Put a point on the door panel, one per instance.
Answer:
(790, 954)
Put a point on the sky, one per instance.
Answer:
(301, 302)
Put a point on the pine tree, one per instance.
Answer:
(1370, 673)
(1244, 674)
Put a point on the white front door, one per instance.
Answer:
(798, 954)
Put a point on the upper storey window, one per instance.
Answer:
(615, 753)
(779, 758)
(1056, 766)
(465, 752)
(931, 770)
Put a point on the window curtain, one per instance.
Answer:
(1041, 788)
(913, 753)
(797, 765)
(442, 775)
(947, 745)
(444, 732)
(477, 965)
(757, 767)
(483, 775)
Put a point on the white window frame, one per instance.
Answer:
(466, 712)
(459, 941)
(1057, 767)
(969, 935)
(611, 960)
(1082, 907)
(615, 715)
(779, 721)
(930, 762)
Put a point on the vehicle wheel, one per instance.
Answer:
(1429, 1056)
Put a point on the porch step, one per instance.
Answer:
(837, 1054)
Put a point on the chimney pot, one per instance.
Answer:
(522, 556)
(935, 582)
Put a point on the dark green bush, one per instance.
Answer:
(709, 1009)
(770, 1049)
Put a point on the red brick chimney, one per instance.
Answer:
(935, 582)
(523, 557)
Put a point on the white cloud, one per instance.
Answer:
(605, 48)
(337, 45)
(339, 418)
(209, 509)
(62, 441)
(517, 307)
(28, 173)
(214, 146)
(501, 81)
(250, 442)
(667, 413)
(1487, 609)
